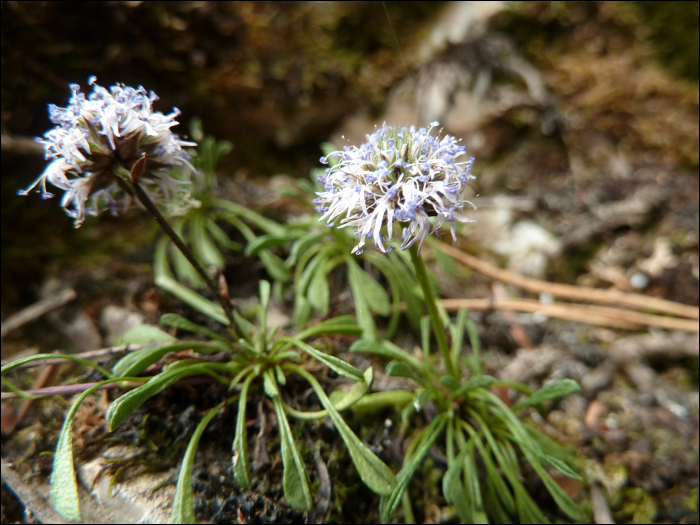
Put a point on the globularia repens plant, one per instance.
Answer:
(107, 149)
(110, 147)
(408, 179)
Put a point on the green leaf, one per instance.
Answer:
(64, 489)
(295, 480)
(338, 365)
(183, 268)
(374, 473)
(450, 382)
(267, 225)
(241, 467)
(378, 400)
(457, 333)
(375, 295)
(319, 292)
(344, 324)
(270, 385)
(471, 479)
(425, 335)
(390, 502)
(475, 382)
(552, 390)
(192, 298)
(454, 490)
(185, 324)
(421, 397)
(136, 362)
(301, 245)
(400, 369)
(362, 308)
(204, 248)
(221, 237)
(274, 266)
(386, 349)
(183, 508)
(473, 332)
(264, 242)
(122, 407)
(144, 334)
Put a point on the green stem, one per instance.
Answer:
(422, 275)
(143, 197)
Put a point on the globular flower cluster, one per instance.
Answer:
(105, 131)
(401, 175)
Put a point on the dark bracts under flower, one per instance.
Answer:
(106, 131)
(398, 175)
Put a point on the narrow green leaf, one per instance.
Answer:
(386, 349)
(362, 308)
(136, 362)
(279, 375)
(144, 334)
(374, 473)
(454, 490)
(344, 324)
(204, 248)
(183, 268)
(301, 245)
(183, 508)
(319, 293)
(552, 390)
(338, 365)
(375, 294)
(274, 266)
(122, 407)
(241, 468)
(421, 397)
(474, 340)
(475, 382)
(192, 298)
(399, 369)
(64, 489)
(450, 382)
(270, 385)
(264, 303)
(264, 242)
(246, 327)
(378, 400)
(185, 324)
(221, 237)
(341, 400)
(267, 225)
(390, 502)
(295, 480)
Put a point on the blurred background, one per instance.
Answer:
(566, 106)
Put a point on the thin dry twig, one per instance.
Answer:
(577, 293)
(591, 314)
(29, 496)
(36, 310)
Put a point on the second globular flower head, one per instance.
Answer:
(108, 130)
(403, 175)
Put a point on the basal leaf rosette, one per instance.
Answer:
(400, 174)
(103, 132)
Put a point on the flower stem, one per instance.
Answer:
(422, 275)
(143, 197)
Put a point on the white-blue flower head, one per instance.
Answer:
(403, 175)
(108, 128)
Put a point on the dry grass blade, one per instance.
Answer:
(578, 293)
(591, 314)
